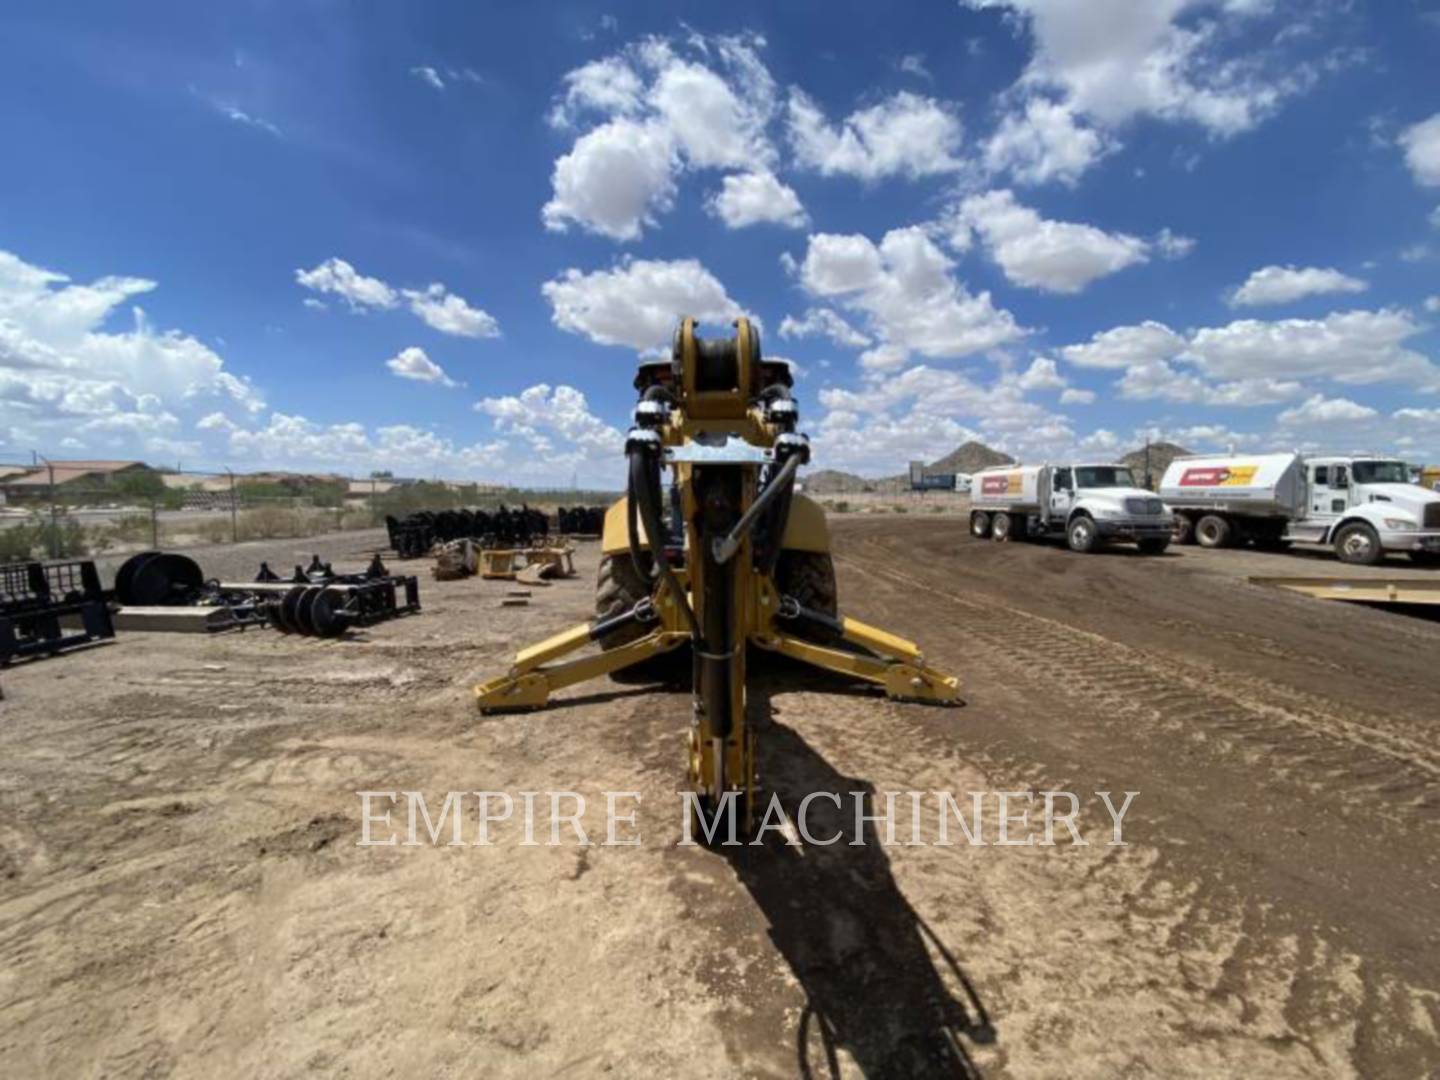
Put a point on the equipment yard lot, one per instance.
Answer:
(181, 891)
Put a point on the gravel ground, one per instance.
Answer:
(182, 891)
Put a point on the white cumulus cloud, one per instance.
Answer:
(1421, 143)
(412, 363)
(823, 322)
(1042, 141)
(553, 421)
(904, 135)
(906, 292)
(338, 278)
(660, 108)
(1119, 59)
(434, 305)
(65, 373)
(442, 310)
(638, 302)
(1285, 284)
(755, 198)
(1319, 409)
(1056, 256)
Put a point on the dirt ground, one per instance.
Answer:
(182, 891)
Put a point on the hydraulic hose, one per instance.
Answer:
(643, 499)
(777, 517)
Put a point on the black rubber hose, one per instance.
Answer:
(644, 490)
(776, 520)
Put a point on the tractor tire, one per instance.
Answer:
(1213, 531)
(809, 577)
(1082, 535)
(1001, 527)
(1358, 544)
(1184, 529)
(619, 588)
(980, 525)
(1153, 545)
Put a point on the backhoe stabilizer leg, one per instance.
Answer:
(530, 683)
(899, 666)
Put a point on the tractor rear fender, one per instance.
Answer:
(805, 531)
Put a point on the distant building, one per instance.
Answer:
(70, 477)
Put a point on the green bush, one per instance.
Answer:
(37, 539)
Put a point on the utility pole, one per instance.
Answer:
(54, 510)
(234, 522)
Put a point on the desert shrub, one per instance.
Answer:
(37, 539)
(840, 506)
(213, 531)
(271, 523)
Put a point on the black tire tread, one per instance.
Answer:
(618, 588)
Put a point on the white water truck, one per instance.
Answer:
(1363, 507)
(1089, 505)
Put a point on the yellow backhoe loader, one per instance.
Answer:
(734, 556)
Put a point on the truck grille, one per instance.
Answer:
(1137, 507)
(1432, 516)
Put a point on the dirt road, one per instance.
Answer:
(181, 890)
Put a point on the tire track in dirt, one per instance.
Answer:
(1294, 734)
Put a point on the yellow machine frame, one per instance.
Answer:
(758, 615)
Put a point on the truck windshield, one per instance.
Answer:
(1103, 476)
(1380, 472)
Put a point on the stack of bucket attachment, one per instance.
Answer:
(578, 521)
(34, 599)
(413, 536)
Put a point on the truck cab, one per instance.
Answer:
(1366, 506)
(1101, 502)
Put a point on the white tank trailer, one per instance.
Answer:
(1362, 507)
(1089, 505)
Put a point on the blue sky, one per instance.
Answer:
(434, 237)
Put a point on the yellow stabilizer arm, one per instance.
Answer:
(900, 667)
(530, 684)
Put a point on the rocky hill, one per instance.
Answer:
(972, 457)
(835, 482)
(969, 458)
(1161, 454)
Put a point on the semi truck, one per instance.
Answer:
(1362, 507)
(1089, 505)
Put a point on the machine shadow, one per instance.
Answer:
(878, 981)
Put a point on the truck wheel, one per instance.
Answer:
(1184, 529)
(1359, 544)
(1082, 535)
(979, 524)
(1000, 527)
(1153, 545)
(1213, 531)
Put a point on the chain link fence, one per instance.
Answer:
(57, 509)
